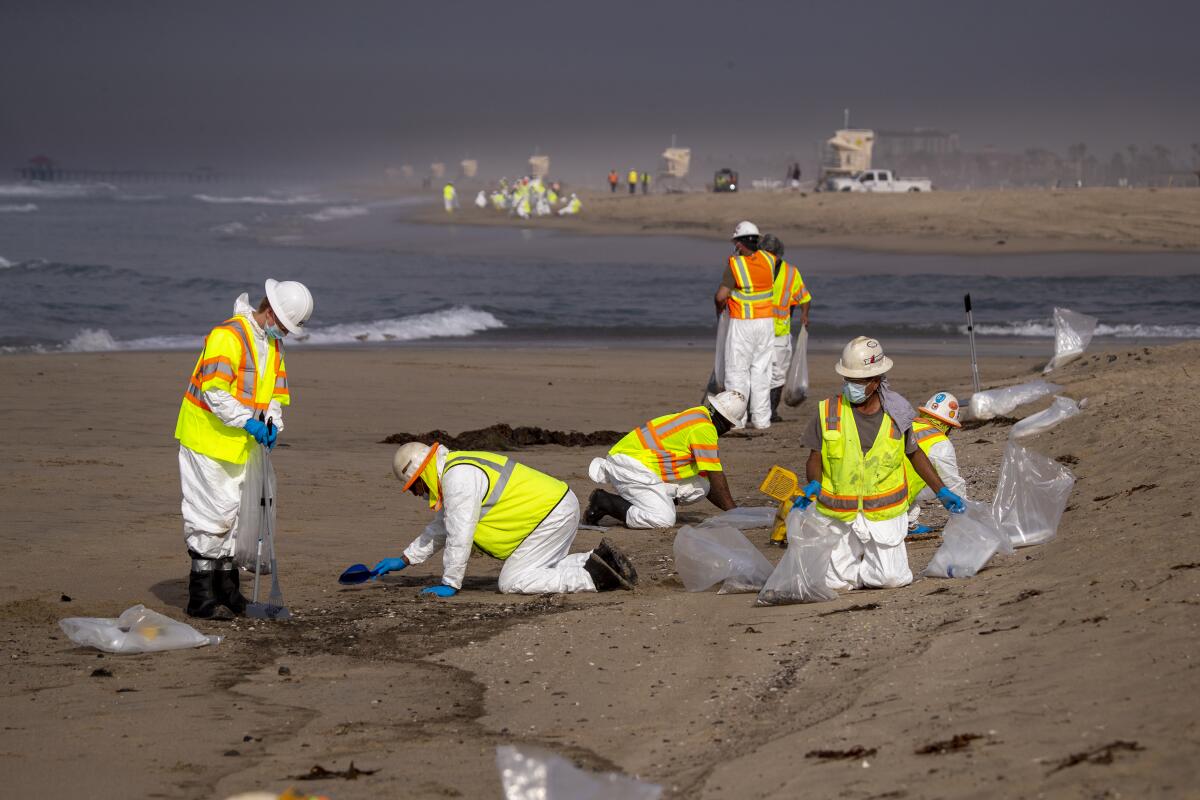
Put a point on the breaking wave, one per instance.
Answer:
(263, 200)
(5, 263)
(23, 208)
(338, 212)
(1044, 329)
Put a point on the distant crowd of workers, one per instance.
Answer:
(633, 178)
(871, 459)
(526, 197)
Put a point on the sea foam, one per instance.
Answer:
(338, 212)
(23, 208)
(1044, 329)
(263, 200)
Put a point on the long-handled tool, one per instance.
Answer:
(971, 333)
(274, 607)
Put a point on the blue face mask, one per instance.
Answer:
(273, 332)
(855, 393)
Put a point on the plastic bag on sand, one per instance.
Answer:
(1031, 495)
(251, 521)
(795, 385)
(718, 377)
(1062, 408)
(531, 773)
(969, 540)
(800, 575)
(1003, 401)
(138, 630)
(1072, 334)
(744, 517)
(706, 554)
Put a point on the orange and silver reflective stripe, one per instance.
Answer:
(652, 444)
(881, 502)
(833, 414)
(505, 471)
(838, 502)
(281, 383)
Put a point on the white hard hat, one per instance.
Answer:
(745, 228)
(863, 358)
(408, 461)
(291, 301)
(729, 404)
(943, 406)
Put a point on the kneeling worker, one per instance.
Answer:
(663, 463)
(931, 431)
(856, 471)
(523, 517)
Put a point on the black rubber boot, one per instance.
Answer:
(619, 562)
(776, 396)
(603, 575)
(228, 586)
(602, 503)
(202, 595)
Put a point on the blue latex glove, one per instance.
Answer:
(256, 429)
(388, 565)
(952, 502)
(272, 436)
(808, 494)
(441, 590)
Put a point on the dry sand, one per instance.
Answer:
(1056, 651)
(971, 222)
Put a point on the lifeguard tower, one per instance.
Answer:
(676, 161)
(848, 153)
(539, 166)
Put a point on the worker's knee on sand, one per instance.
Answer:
(645, 516)
(692, 490)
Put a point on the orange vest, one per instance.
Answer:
(755, 278)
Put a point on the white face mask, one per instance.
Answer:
(855, 393)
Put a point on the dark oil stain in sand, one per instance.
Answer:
(960, 741)
(503, 436)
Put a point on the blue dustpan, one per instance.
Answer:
(357, 573)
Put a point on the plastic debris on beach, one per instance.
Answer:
(253, 519)
(800, 576)
(1062, 408)
(707, 554)
(137, 630)
(1072, 334)
(744, 517)
(502, 436)
(795, 383)
(1031, 496)
(969, 541)
(1003, 401)
(531, 773)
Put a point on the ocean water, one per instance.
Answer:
(94, 268)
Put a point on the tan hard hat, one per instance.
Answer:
(863, 358)
(410, 458)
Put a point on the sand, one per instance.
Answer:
(967, 222)
(1056, 651)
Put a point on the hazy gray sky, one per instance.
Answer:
(231, 83)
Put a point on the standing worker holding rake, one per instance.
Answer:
(233, 403)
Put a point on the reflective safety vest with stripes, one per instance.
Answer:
(517, 500)
(926, 435)
(851, 482)
(753, 296)
(229, 361)
(675, 446)
(789, 291)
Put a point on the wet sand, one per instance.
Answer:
(1056, 651)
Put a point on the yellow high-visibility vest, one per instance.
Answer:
(851, 481)
(753, 296)
(674, 446)
(789, 290)
(229, 361)
(633, 176)
(448, 192)
(518, 499)
(926, 435)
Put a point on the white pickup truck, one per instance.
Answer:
(878, 180)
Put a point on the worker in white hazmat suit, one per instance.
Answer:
(787, 293)
(481, 200)
(856, 471)
(573, 206)
(671, 460)
(506, 510)
(931, 430)
(746, 292)
(233, 403)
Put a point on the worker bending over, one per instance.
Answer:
(931, 430)
(746, 292)
(513, 513)
(664, 463)
(856, 471)
(789, 291)
(233, 403)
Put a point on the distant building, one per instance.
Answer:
(928, 142)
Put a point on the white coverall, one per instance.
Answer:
(942, 456)
(781, 359)
(572, 206)
(749, 350)
(212, 489)
(653, 500)
(481, 199)
(540, 564)
(871, 555)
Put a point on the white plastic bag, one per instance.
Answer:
(1031, 495)
(531, 773)
(969, 540)
(795, 386)
(718, 376)
(800, 576)
(251, 520)
(706, 554)
(744, 517)
(137, 630)
(1072, 334)
(1062, 408)
(1003, 401)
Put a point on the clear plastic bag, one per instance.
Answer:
(969, 541)
(531, 773)
(137, 630)
(1003, 401)
(1062, 408)
(717, 381)
(706, 554)
(1072, 334)
(251, 520)
(795, 386)
(744, 517)
(800, 576)
(1031, 495)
